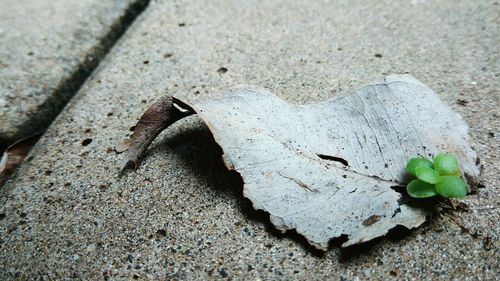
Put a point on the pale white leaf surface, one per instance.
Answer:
(276, 146)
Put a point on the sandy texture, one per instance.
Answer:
(181, 215)
(48, 50)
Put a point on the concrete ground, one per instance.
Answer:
(181, 215)
(48, 49)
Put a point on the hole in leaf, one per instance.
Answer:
(398, 210)
(333, 158)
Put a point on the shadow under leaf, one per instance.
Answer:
(197, 147)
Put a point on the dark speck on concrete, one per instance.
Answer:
(222, 272)
(161, 232)
(222, 70)
(86, 142)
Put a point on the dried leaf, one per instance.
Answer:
(123, 146)
(158, 117)
(327, 169)
(14, 155)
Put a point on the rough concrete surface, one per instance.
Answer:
(181, 215)
(48, 48)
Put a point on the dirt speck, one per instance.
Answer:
(371, 220)
(86, 142)
(222, 70)
(161, 233)
(223, 272)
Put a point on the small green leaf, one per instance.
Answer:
(446, 164)
(413, 163)
(451, 187)
(420, 189)
(427, 174)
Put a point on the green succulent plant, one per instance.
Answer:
(441, 176)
